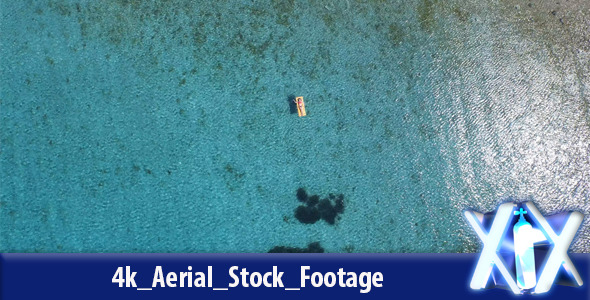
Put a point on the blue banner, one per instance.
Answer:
(228, 276)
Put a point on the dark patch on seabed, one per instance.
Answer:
(311, 248)
(327, 209)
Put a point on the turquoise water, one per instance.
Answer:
(166, 127)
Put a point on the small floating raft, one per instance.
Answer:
(300, 106)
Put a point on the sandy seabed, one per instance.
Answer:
(140, 126)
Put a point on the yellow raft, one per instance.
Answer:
(300, 106)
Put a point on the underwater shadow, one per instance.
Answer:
(292, 105)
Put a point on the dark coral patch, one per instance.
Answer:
(301, 195)
(326, 209)
(313, 200)
(311, 248)
(307, 215)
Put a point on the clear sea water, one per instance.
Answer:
(165, 126)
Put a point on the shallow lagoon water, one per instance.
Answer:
(165, 127)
